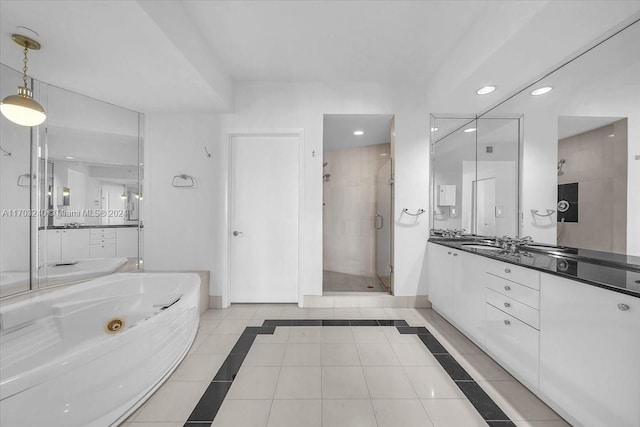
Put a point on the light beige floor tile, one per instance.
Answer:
(374, 313)
(320, 313)
(550, 423)
(231, 326)
(295, 413)
(215, 313)
(160, 424)
(198, 367)
(343, 382)
(265, 354)
(280, 335)
(452, 412)
(340, 354)
(393, 336)
(217, 344)
(433, 382)
(299, 382)
(400, 413)
(388, 383)
(368, 334)
(518, 402)
(337, 334)
(414, 354)
(346, 313)
(305, 334)
(243, 413)
(302, 354)
(268, 312)
(254, 382)
(174, 401)
(241, 312)
(207, 326)
(482, 368)
(440, 326)
(459, 344)
(293, 312)
(348, 413)
(377, 354)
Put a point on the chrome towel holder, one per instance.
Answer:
(418, 212)
(184, 181)
(537, 212)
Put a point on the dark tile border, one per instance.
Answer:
(210, 402)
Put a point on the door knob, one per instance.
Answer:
(238, 233)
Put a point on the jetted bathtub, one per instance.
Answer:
(91, 353)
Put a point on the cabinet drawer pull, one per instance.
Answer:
(506, 304)
(507, 322)
(507, 288)
(449, 253)
(507, 270)
(623, 307)
(455, 254)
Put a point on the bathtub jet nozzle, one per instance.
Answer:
(114, 325)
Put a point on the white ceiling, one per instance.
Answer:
(185, 55)
(337, 130)
(575, 125)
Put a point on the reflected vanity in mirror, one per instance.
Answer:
(84, 194)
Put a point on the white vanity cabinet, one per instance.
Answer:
(53, 245)
(103, 243)
(456, 289)
(441, 275)
(513, 318)
(590, 352)
(67, 244)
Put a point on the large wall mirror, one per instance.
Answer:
(581, 157)
(475, 174)
(81, 175)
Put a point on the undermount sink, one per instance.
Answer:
(480, 246)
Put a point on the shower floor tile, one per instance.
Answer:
(333, 281)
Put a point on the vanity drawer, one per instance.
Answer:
(513, 343)
(103, 231)
(523, 275)
(520, 311)
(518, 292)
(94, 240)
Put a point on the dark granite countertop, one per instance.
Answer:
(616, 272)
(62, 227)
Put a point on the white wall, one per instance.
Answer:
(188, 229)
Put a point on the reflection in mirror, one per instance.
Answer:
(15, 195)
(475, 175)
(91, 155)
(566, 141)
(592, 183)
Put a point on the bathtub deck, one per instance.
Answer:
(303, 375)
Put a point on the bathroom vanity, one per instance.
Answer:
(566, 327)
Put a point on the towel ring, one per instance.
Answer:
(418, 213)
(537, 212)
(183, 181)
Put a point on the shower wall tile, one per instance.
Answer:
(349, 207)
(598, 163)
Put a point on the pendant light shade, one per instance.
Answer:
(22, 109)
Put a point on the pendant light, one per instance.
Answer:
(22, 108)
(123, 196)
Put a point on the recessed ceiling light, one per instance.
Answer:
(485, 90)
(69, 157)
(434, 129)
(358, 132)
(542, 90)
(469, 130)
(612, 135)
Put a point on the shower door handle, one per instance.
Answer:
(381, 222)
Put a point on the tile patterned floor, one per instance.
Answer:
(339, 375)
(340, 282)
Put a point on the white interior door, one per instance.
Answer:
(485, 204)
(264, 218)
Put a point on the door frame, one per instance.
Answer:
(256, 133)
